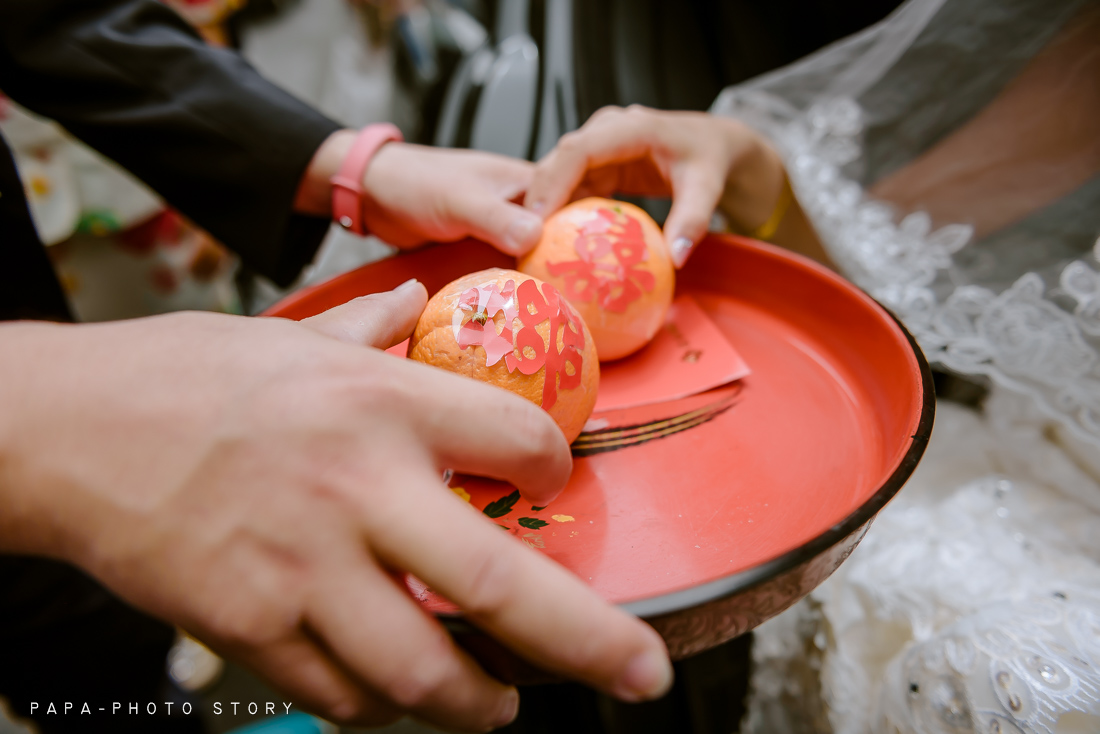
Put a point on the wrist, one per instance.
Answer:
(350, 193)
(33, 518)
(315, 190)
(755, 188)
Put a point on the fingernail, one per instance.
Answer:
(546, 500)
(408, 285)
(681, 248)
(538, 207)
(509, 709)
(522, 233)
(648, 676)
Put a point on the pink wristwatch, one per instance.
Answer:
(347, 184)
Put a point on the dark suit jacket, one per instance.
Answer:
(198, 124)
(227, 149)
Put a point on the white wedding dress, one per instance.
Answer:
(948, 159)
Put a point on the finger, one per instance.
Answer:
(697, 187)
(613, 136)
(506, 177)
(472, 427)
(603, 181)
(378, 320)
(522, 598)
(300, 669)
(392, 645)
(506, 226)
(487, 207)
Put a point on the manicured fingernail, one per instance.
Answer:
(509, 709)
(522, 233)
(681, 248)
(408, 285)
(648, 676)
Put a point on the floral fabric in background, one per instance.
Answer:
(119, 251)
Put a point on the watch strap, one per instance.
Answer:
(347, 184)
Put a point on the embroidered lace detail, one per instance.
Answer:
(1012, 668)
(1022, 337)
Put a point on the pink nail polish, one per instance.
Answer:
(680, 249)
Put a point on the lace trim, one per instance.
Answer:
(1012, 668)
(1020, 337)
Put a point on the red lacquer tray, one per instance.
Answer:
(710, 514)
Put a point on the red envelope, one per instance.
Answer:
(689, 355)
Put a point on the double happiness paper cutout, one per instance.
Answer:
(614, 282)
(474, 325)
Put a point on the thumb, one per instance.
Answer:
(695, 194)
(506, 226)
(378, 320)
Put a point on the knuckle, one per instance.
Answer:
(641, 121)
(549, 165)
(385, 394)
(491, 581)
(426, 675)
(606, 111)
(240, 631)
(589, 650)
(572, 143)
(534, 434)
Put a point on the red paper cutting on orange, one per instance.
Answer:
(615, 283)
(532, 308)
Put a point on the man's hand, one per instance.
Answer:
(417, 194)
(262, 484)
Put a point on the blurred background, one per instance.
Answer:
(509, 76)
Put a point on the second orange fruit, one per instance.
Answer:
(609, 259)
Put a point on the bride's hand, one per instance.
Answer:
(703, 162)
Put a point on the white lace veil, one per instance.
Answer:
(992, 280)
(948, 159)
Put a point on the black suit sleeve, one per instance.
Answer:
(198, 124)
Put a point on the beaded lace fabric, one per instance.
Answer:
(948, 159)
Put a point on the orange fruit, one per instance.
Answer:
(609, 259)
(513, 331)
